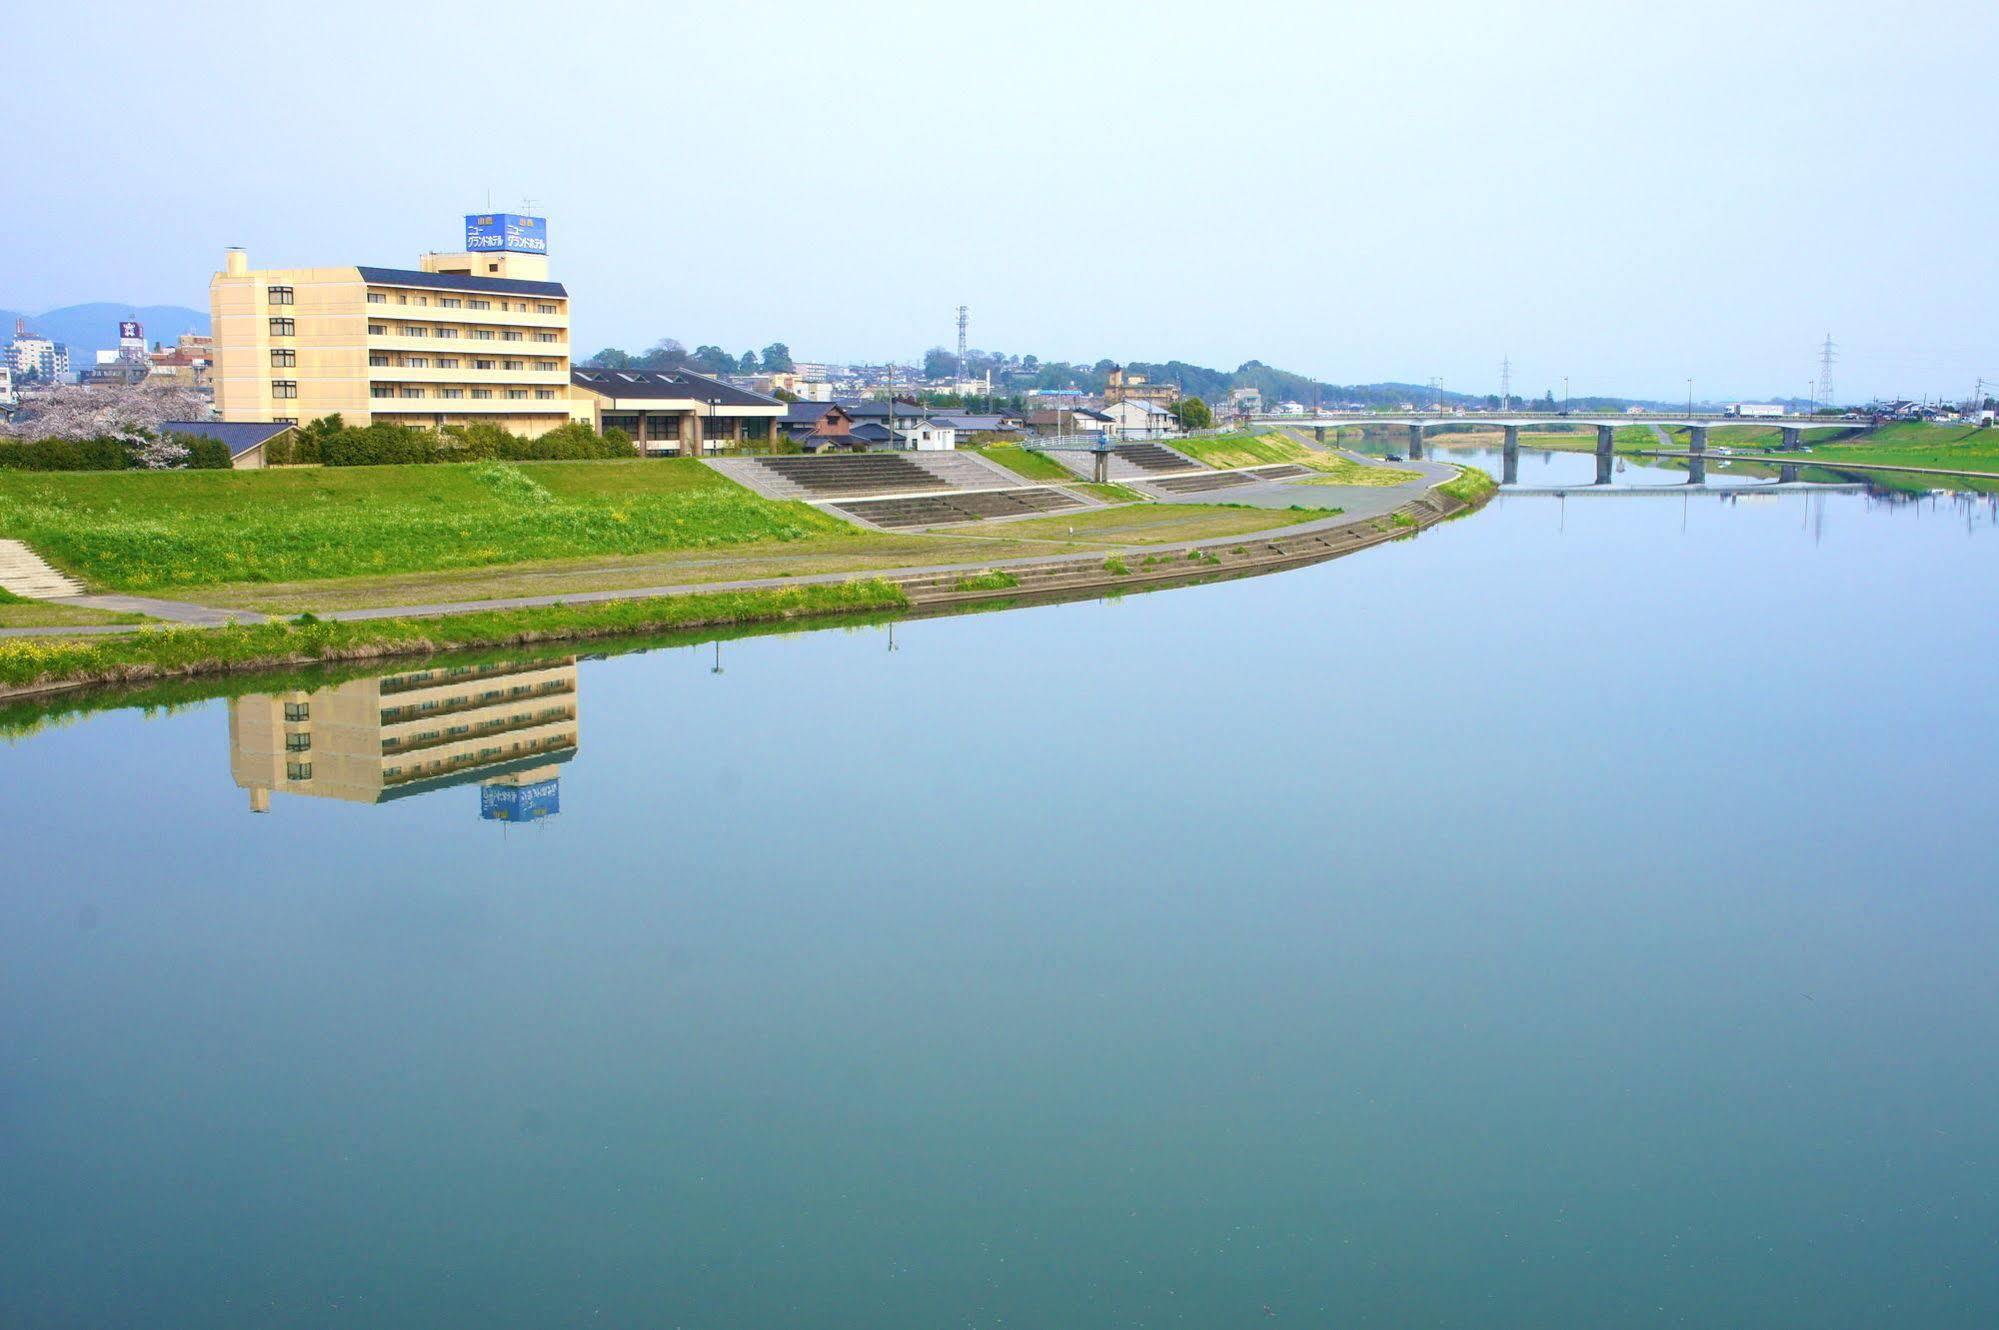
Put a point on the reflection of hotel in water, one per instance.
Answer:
(507, 726)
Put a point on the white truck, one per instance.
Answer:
(1754, 409)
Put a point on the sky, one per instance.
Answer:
(1623, 196)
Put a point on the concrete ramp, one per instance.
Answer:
(28, 575)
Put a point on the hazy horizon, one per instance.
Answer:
(1620, 197)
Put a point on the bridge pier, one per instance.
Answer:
(1787, 473)
(1416, 442)
(1509, 456)
(1100, 467)
(1793, 439)
(1697, 463)
(1318, 433)
(1605, 435)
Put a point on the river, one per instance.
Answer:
(1581, 914)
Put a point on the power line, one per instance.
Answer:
(1828, 354)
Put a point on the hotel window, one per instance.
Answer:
(298, 711)
(546, 365)
(482, 394)
(511, 336)
(478, 304)
(298, 771)
(657, 427)
(517, 394)
(450, 302)
(283, 328)
(412, 392)
(417, 362)
(281, 295)
(453, 393)
(283, 357)
(544, 394)
(284, 420)
(381, 390)
(547, 337)
(408, 331)
(377, 298)
(378, 359)
(447, 332)
(378, 330)
(482, 364)
(297, 743)
(423, 300)
(284, 388)
(482, 334)
(402, 298)
(447, 362)
(544, 309)
(510, 364)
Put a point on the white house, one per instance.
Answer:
(927, 435)
(1139, 420)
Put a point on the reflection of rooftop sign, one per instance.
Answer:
(520, 803)
(510, 231)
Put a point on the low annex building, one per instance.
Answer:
(246, 440)
(673, 412)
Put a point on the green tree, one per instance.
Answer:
(777, 359)
(1193, 413)
(748, 363)
(610, 358)
(939, 364)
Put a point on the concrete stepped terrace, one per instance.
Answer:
(978, 506)
(1219, 480)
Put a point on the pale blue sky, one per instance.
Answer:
(1624, 194)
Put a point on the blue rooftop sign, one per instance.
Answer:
(509, 231)
(520, 803)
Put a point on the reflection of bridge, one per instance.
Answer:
(1512, 422)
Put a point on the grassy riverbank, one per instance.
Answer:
(1242, 448)
(178, 652)
(1026, 463)
(158, 532)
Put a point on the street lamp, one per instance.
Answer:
(718, 657)
(1565, 394)
(1690, 397)
(713, 402)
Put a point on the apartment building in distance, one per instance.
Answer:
(505, 725)
(477, 335)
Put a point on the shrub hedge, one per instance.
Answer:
(105, 453)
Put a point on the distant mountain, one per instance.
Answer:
(94, 327)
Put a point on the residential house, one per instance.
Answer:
(1131, 420)
(245, 439)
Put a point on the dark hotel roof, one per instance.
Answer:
(672, 385)
(452, 281)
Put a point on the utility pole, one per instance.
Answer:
(1506, 383)
(1827, 354)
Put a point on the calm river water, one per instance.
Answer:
(1580, 915)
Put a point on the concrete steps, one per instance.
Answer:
(966, 471)
(26, 574)
(965, 506)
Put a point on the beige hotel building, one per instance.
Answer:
(460, 338)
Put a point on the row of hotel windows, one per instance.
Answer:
(449, 394)
(403, 742)
(667, 427)
(286, 327)
(381, 360)
(454, 302)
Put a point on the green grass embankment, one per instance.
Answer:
(1026, 463)
(1471, 485)
(1240, 448)
(157, 531)
(175, 652)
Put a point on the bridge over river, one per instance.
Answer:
(1510, 423)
